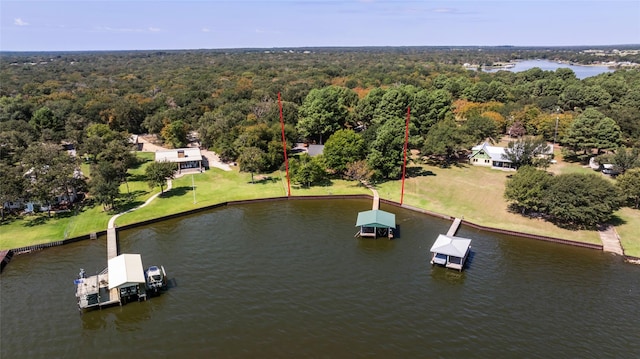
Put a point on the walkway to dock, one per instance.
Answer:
(454, 227)
(610, 240)
(376, 196)
(112, 235)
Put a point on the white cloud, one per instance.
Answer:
(18, 21)
(126, 30)
(205, 29)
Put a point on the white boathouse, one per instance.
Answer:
(450, 251)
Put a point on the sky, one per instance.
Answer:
(84, 25)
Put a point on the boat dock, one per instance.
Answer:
(451, 251)
(112, 243)
(94, 291)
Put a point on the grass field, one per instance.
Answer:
(475, 193)
(629, 231)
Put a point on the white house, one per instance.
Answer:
(185, 158)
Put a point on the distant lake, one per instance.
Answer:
(581, 71)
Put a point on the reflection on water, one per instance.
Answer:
(288, 279)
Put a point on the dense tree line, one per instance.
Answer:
(353, 100)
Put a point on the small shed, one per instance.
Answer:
(450, 251)
(376, 223)
(126, 274)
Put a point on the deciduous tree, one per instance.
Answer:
(581, 200)
(343, 147)
(526, 151)
(592, 130)
(324, 111)
(307, 170)
(526, 189)
(629, 185)
(252, 159)
(157, 174)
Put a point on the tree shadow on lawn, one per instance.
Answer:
(37, 220)
(438, 162)
(140, 162)
(176, 192)
(263, 180)
(616, 221)
(137, 178)
(417, 171)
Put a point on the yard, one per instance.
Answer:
(475, 193)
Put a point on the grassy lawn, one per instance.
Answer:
(475, 193)
(217, 186)
(629, 231)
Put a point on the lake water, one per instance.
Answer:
(289, 280)
(581, 72)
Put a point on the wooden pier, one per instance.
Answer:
(376, 200)
(454, 227)
(112, 243)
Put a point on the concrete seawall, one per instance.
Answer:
(28, 249)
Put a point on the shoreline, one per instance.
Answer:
(95, 235)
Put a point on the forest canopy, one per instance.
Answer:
(228, 98)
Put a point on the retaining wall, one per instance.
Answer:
(37, 247)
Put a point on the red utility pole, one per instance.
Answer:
(284, 145)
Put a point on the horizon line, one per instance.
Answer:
(328, 47)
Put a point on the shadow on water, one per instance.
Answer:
(469, 261)
(396, 232)
(377, 245)
(172, 283)
(125, 318)
(130, 317)
(450, 276)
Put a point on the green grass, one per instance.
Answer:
(629, 231)
(217, 186)
(475, 193)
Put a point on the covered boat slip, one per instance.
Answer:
(376, 223)
(121, 280)
(126, 274)
(450, 251)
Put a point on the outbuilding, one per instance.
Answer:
(450, 251)
(126, 274)
(376, 223)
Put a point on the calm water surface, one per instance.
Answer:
(581, 72)
(289, 280)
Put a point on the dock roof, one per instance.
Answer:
(125, 270)
(376, 218)
(451, 245)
